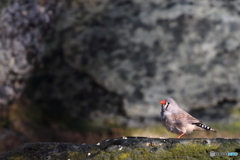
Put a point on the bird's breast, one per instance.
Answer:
(166, 116)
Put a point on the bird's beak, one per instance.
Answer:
(163, 102)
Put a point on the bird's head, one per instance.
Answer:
(169, 104)
(164, 104)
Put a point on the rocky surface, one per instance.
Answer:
(139, 52)
(148, 50)
(116, 59)
(23, 24)
(129, 148)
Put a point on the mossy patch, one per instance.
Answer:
(140, 148)
(76, 155)
(190, 150)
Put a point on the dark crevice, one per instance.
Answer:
(214, 113)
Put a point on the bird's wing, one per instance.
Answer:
(192, 119)
(184, 116)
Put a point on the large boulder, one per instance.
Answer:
(129, 148)
(144, 51)
(23, 24)
(116, 59)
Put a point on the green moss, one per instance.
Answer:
(124, 155)
(134, 149)
(76, 155)
(190, 150)
(137, 153)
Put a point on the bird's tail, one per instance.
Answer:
(201, 125)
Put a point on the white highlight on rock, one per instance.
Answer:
(208, 141)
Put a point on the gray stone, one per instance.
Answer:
(146, 51)
(129, 148)
(22, 25)
(114, 59)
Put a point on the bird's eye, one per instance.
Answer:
(165, 106)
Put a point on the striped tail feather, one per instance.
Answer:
(201, 125)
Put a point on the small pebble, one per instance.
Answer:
(124, 137)
(208, 141)
(98, 144)
(89, 154)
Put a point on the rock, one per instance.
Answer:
(146, 51)
(129, 148)
(23, 24)
(116, 59)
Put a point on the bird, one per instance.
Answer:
(178, 121)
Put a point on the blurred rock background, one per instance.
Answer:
(87, 70)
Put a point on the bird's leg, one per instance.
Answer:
(181, 135)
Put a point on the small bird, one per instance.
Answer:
(178, 121)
